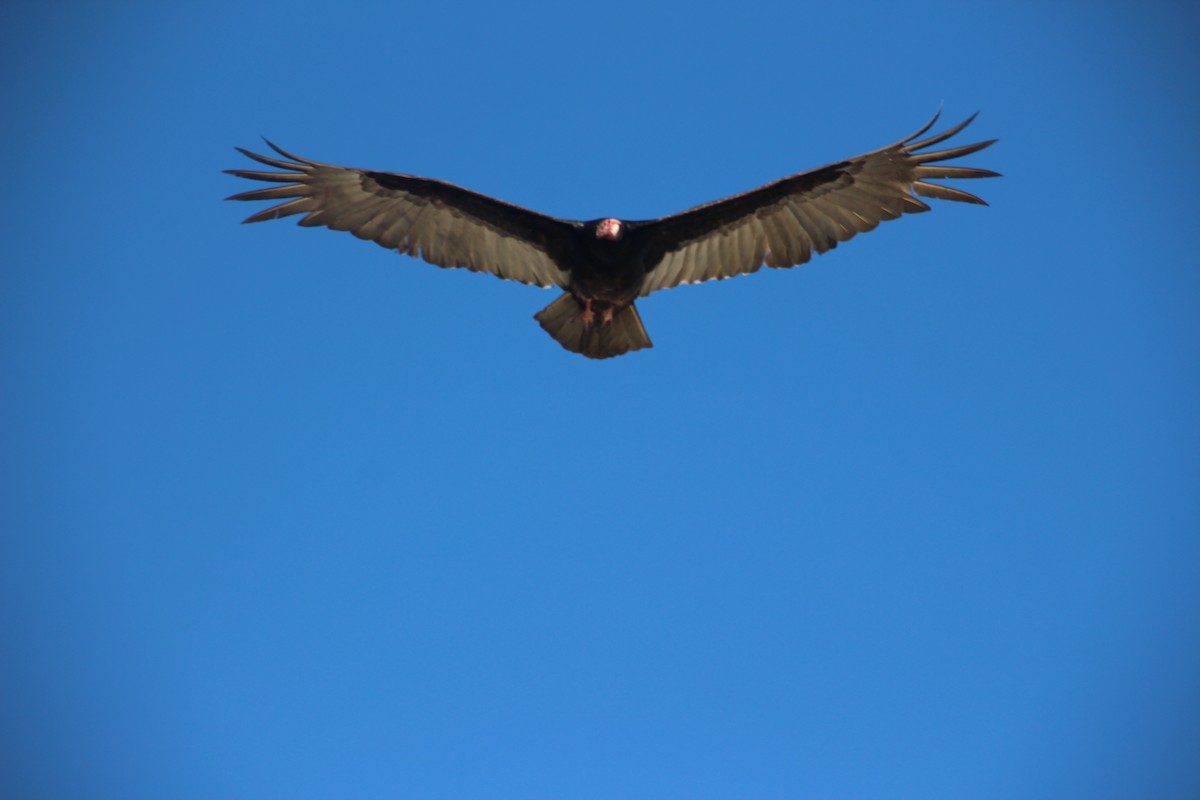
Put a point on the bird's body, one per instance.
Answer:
(606, 264)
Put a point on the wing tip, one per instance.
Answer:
(940, 192)
(293, 163)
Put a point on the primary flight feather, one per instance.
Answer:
(605, 264)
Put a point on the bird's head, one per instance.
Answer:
(610, 229)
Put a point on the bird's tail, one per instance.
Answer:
(563, 319)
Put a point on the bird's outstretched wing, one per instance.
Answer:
(442, 223)
(782, 223)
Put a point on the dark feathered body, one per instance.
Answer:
(596, 317)
(605, 265)
(608, 270)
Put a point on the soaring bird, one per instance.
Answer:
(604, 265)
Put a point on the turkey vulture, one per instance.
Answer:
(605, 264)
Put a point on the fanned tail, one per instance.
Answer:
(563, 319)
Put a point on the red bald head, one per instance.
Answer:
(611, 229)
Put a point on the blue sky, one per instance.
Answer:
(287, 515)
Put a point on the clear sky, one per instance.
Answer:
(289, 516)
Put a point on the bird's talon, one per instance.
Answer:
(587, 315)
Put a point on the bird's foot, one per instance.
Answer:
(587, 315)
